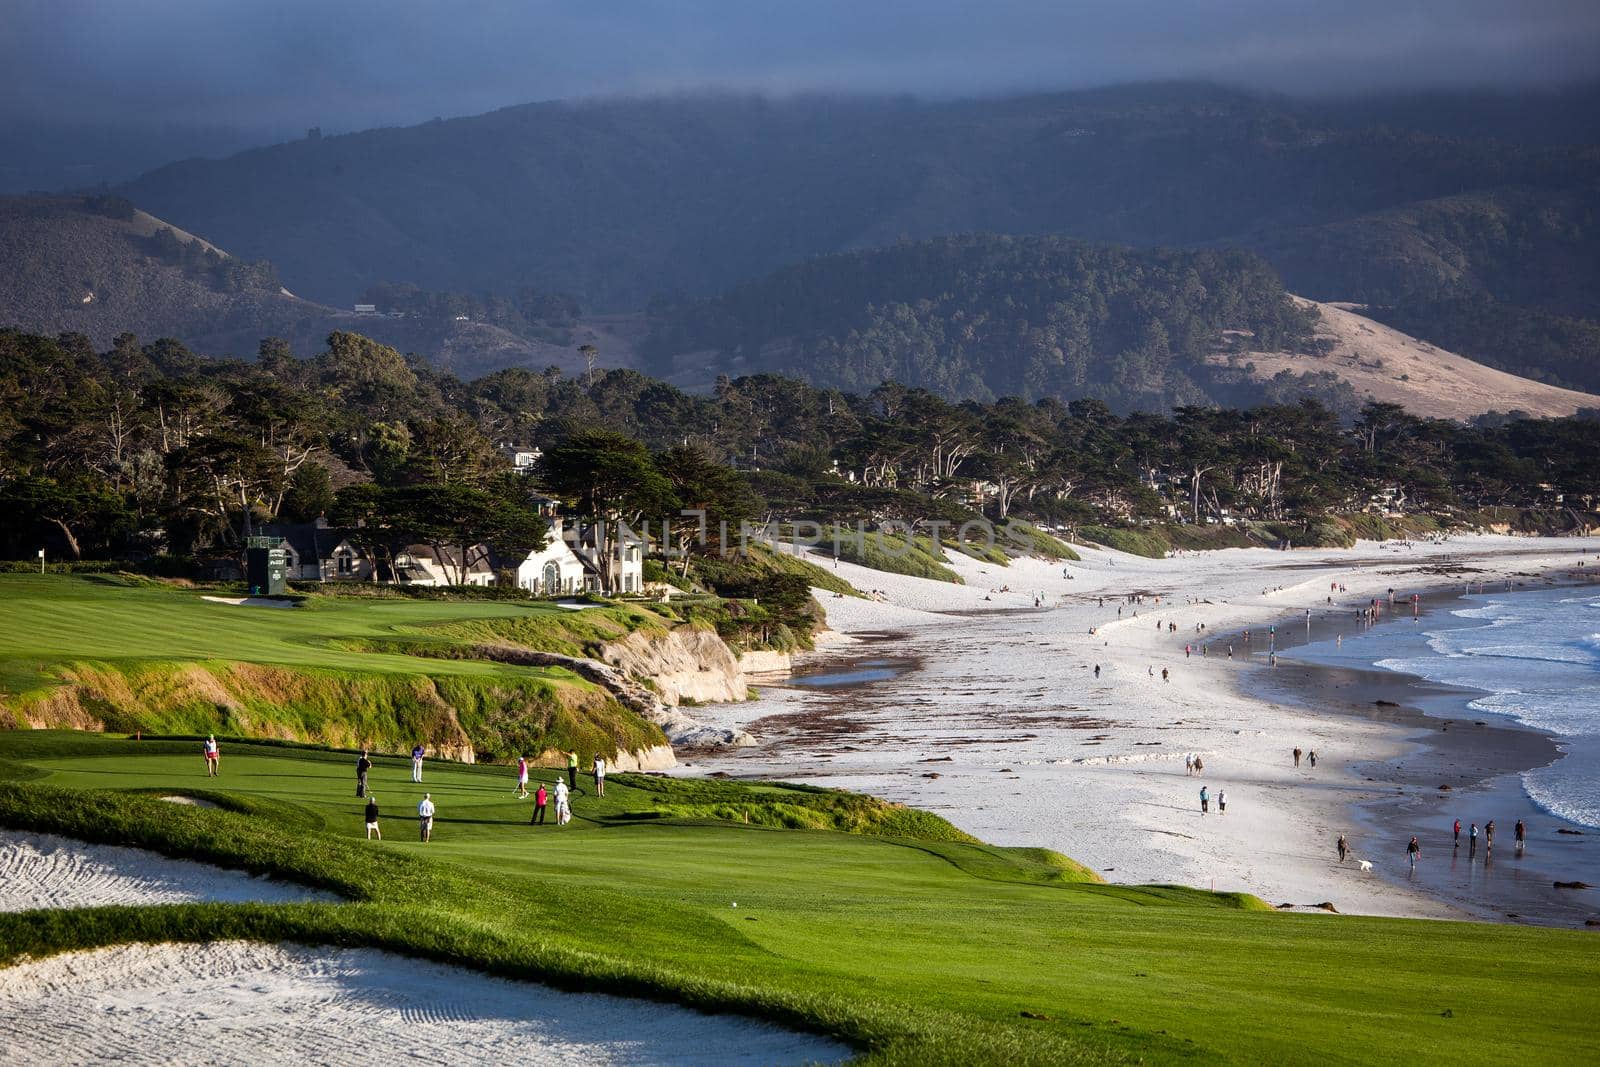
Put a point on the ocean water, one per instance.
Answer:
(1536, 657)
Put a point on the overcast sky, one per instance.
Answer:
(268, 68)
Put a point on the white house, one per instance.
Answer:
(524, 458)
(627, 560)
(554, 570)
(426, 565)
(570, 563)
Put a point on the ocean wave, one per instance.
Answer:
(1572, 653)
(1566, 794)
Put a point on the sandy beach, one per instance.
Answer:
(970, 701)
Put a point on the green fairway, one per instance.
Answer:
(127, 654)
(916, 948)
(52, 618)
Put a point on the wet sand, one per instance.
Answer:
(1479, 757)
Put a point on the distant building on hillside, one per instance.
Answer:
(1389, 502)
(524, 458)
(366, 309)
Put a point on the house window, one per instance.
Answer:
(552, 577)
(344, 562)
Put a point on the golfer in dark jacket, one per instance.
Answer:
(363, 765)
(372, 819)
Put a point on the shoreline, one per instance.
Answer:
(1473, 772)
(1004, 728)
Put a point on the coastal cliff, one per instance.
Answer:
(680, 729)
(685, 663)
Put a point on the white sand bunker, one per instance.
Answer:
(250, 601)
(45, 871)
(239, 1002)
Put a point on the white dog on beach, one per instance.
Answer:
(1366, 865)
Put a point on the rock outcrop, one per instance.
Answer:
(765, 663)
(686, 663)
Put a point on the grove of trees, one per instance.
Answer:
(147, 449)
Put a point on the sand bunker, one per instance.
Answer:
(45, 871)
(240, 1002)
(193, 802)
(250, 601)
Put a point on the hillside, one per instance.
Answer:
(1381, 363)
(978, 317)
(100, 267)
(616, 201)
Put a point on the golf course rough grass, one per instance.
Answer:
(105, 652)
(916, 949)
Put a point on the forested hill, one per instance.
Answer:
(100, 267)
(980, 317)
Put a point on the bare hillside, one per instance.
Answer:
(1384, 364)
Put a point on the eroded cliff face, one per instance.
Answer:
(765, 663)
(685, 663)
(680, 729)
(247, 700)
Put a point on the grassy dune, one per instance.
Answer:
(907, 939)
(124, 654)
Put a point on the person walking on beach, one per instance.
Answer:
(1413, 850)
(1164, 676)
(540, 799)
(425, 816)
(522, 778)
(599, 775)
(1199, 766)
(1517, 832)
(1311, 757)
(572, 769)
(1205, 800)
(372, 819)
(1188, 763)
(1297, 755)
(213, 756)
(416, 761)
(1097, 670)
(1344, 848)
(1472, 838)
(1457, 830)
(1488, 834)
(1222, 802)
(363, 765)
